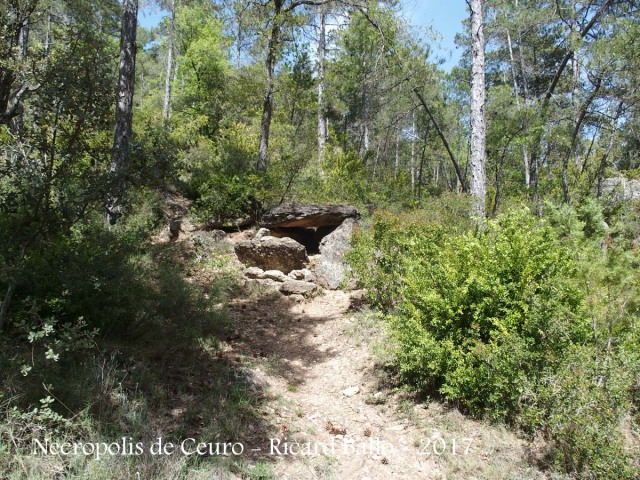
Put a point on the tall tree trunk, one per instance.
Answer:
(364, 141)
(575, 92)
(478, 133)
(525, 96)
(23, 47)
(267, 105)
(167, 82)
(574, 139)
(365, 135)
(23, 40)
(124, 113)
(47, 38)
(322, 120)
(422, 158)
(396, 164)
(523, 69)
(413, 152)
(239, 34)
(605, 155)
(516, 92)
(375, 161)
(442, 136)
(499, 175)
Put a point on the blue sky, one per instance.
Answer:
(149, 15)
(442, 16)
(445, 18)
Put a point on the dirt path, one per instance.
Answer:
(336, 419)
(311, 363)
(320, 406)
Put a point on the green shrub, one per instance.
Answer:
(378, 253)
(224, 199)
(500, 305)
(585, 403)
(526, 321)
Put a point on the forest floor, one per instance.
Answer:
(335, 413)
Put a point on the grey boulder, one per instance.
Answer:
(304, 274)
(298, 287)
(270, 253)
(331, 268)
(276, 275)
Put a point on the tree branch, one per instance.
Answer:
(456, 165)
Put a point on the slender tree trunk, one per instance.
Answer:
(478, 133)
(23, 47)
(574, 140)
(375, 161)
(456, 165)
(525, 96)
(396, 164)
(167, 82)
(586, 158)
(366, 142)
(413, 152)
(23, 40)
(267, 106)
(523, 71)
(239, 36)
(47, 38)
(345, 135)
(422, 158)
(322, 121)
(124, 113)
(525, 83)
(605, 156)
(575, 93)
(516, 92)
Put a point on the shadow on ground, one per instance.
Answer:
(273, 328)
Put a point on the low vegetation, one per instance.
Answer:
(529, 322)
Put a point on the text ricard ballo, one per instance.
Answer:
(126, 446)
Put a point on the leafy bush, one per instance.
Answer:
(378, 253)
(224, 199)
(525, 321)
(585, 404)
(500, 306)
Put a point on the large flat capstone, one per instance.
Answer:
(303, 215)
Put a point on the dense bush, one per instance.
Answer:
(85, 289)
(378, 254)
(509, 322)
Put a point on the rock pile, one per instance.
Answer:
(297, 282)
(275, 259)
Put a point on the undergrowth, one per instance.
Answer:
(111, 337)
(526, 321)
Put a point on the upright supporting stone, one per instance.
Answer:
(331, 269)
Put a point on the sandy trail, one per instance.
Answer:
(309, 359)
